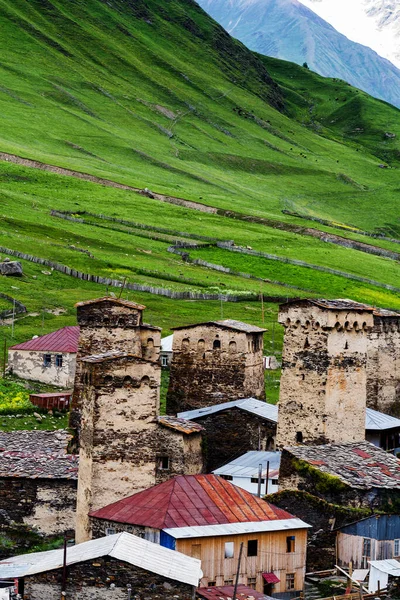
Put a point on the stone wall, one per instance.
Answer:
(231, 433)
(383, 365)
(91, 580)
(46, 504)
(213, 364)
(29, 364)
(323, 383)
(184, 453)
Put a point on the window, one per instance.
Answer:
(227, 477)
(127, 382)
(108, 380)
(185, 344)
(252, 547)
(201, 345)
(164, 361)
(145, 380)
(110, 531)
(217, 345)
(196, 551)
(275, 481)
(228, 549)
(289, 581)
(396, 547)
(290, 543)
(47, 360)
(163, 463)
(252, 582)
(211, 584)
(228, 582)
(232, 346)
(255, 480)
(367, 547)
(299, 437)
(59, 360)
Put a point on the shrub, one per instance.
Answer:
(14, 399)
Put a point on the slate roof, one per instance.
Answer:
(62, 340)
(181, 425)
(121, 546)
(37, 454)
(360, 465)
(226, 324)
(191, 500)
(119, 301)
(259, 408)
(340, 304)
(377, 421)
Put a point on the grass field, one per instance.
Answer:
(164, 99)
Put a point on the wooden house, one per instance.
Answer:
(374, 538)
(206, 517)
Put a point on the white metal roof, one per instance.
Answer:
(166, 343)
(122, 546)
(390, 566)
(247, 464)
(235, 528)
(378, 421)
(252, 405)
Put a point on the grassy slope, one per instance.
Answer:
(155, 94)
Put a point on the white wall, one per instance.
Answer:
(29, 364)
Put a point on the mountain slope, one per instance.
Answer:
(374, 23)
(288, 30)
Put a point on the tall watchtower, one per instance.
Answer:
(324, 371)
(215, 362)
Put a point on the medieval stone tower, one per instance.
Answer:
(383, 363)
(215, 362)
(323, 385)
(124, 446)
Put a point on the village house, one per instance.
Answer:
(104, 568)
(374, 538)
(206, 517)
(213, 362)
(49, 358)
(235, 427)
(38, 481)
(248, 470)
(353, 474)
(124, 444)
(382, 430)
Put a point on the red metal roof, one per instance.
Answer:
(225, 592)
(190, 500)
(270, 578)
(62, 340)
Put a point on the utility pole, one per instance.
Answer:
(259, 480)
(237, 573)
(64, 571)
(13, 318)
(266, 479)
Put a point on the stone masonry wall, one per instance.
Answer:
(183, 451)
(231, 433)
(323, 384)
(383, 365)
(91, 580)
(211, 365)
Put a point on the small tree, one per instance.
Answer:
(305, 65)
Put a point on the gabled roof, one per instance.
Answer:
(226, 324)
(181, 425)
(247, 465)
(191, 500)
(112, 300)
(62, 340)
(360, 465)
(259, 408)
(377, 421)
(121, 546)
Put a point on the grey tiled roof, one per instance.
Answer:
(37, 454)
(358, 464)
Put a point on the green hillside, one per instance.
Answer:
(156, 95)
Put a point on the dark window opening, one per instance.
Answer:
(252, 548)
(255, 480)
(299, 437)
(227, 477)
(217, 344)
(127, 382)
(275, 481)
(290, 543)
(163, 463)
(346, 346)
(211, 584)
(108, 380)
(47, 360)
(59, 360)
(306, 343)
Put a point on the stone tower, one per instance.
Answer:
(108, 324)
(324, 372)
(383, 363)
(215, 362)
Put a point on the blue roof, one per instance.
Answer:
(377, 527)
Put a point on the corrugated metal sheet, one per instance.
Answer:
(247, 464)
(236, 528)
(251, 405)
(62, 340)
(376, 527)
(377, 421)
(122, 546)
(191, 500)
(270, 578)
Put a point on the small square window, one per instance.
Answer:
(228, 582)
(47, 360)
(275, 481)
(290, 582)
(110, 531)
(252, 582)
(163, 463)
(211, 584)
(59, 360)
(290, 543)
(228, 549)
(396, 547)
(252, 548)
(164, 361)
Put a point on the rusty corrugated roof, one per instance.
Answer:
(112, 300)
(62, 340)
(190, 500)
(182, 425)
